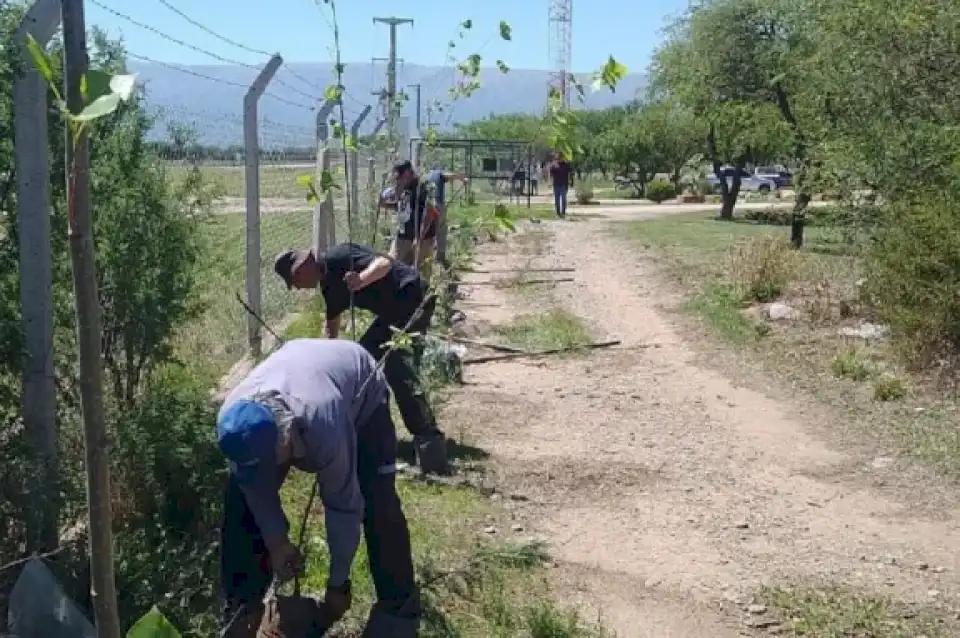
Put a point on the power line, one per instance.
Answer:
(210, 78)
(229, 41)
(193, 47)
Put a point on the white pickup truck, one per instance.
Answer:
(748, 183)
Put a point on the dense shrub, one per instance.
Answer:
(168, 478)
(660, 190)
(584, 192)
(913, 268)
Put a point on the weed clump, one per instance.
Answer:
(763, 268)
(889, 387)
(851, 363)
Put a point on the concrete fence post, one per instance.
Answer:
(32, 161)
(251, 151)
(324, 225)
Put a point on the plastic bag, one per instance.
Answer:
(38, 607)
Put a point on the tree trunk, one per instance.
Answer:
(83, 257)
(798, 215)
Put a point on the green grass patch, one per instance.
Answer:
(835, 612)
(473, 585)
(275, 181)
(719, 306)
(219, 333)
(544, 331)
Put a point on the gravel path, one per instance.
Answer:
(669, 494)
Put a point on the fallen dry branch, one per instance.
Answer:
(516, 282)
(540, 353)
(513, 270)
(484, 344)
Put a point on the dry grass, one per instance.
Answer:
(835, 612)
(862, 379)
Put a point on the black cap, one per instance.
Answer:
(402, 167)
(287, 262)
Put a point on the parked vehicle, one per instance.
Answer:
(748, 183)
(779, 174)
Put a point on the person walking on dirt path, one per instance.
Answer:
(321, 406)
(415, 240)
(398, 296)
(562, 176)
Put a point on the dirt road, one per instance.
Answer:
(669, 494)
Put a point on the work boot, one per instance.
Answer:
(387, 621)
(431, 453)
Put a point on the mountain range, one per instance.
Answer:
(209, 98)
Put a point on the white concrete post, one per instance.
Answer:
(251, 149)
(324, 226)
(32, 160)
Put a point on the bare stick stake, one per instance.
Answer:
(540, 353)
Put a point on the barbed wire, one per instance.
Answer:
(193, 47)
(232, 42)
(202, 76)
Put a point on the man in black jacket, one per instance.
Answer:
(398, 297)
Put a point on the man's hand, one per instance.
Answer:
(354, 281)
(285, 558)
(337, 601)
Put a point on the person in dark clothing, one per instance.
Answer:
(400, 299)
(321, 406)
(562, 176)
(417, 217)
(438, 179)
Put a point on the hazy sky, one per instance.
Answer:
(627, 29)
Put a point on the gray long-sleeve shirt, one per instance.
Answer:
(319, 380)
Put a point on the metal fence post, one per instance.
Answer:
(32, 161)
(354, 168)
(251, 151)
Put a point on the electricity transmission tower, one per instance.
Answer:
(560, 46)
(393, 23)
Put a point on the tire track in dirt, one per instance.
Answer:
(666, 492)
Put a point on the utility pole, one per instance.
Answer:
(417, 87)
(393, 23)
(83, 256)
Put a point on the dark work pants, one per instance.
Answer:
(560, 199)
(401, 366)
(245, 566)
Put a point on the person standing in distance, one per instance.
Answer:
(415, 241)
(399, 298)
(321, 406)
(439, 178)
(562, 176)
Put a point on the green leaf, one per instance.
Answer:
(153, 624)
(349, 142)
(102, 106)
(305, 180)
(610, 75)
(467, 24)
(40, 60)
(503, 66)
(505, 31)
(333, 93)
(93, 85)
(327, 182)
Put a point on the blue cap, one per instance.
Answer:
(247, 436)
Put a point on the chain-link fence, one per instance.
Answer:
(208, 149)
